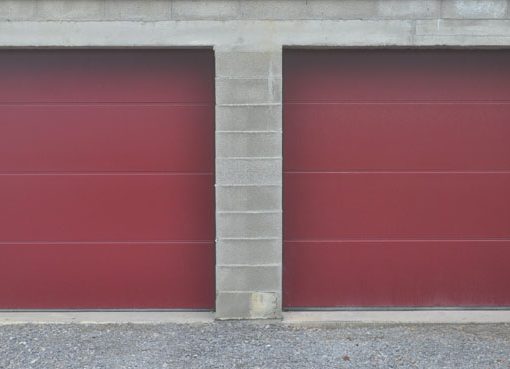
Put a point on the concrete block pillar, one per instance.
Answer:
(248, 184)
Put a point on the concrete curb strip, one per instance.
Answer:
(310, 318)
(404, 317)
(105, 317)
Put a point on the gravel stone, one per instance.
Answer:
(254, 345)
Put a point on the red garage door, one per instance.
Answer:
(106, 179)
(397, 178)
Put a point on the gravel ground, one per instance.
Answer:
(254, 345)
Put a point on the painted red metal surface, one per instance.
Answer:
(107, 275)
(397, 178)
(107, 138)
(421, 273)
(396, 75)
(106, 179)
(105, 76)
(106, 207)
(376, 205)
(383, 137)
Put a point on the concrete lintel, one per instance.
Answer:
(397, 317)
(253, 35)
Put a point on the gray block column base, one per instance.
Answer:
(248, 305)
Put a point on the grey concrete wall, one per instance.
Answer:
(157, 10)
(248, 36)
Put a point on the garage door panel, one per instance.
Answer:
(396, 178)
(105, 275)
(107, 179)
(86, 76)
(106, 207)
(390, 273)
(106, 137)
(365, 205)
(396, 75)
(399, 136)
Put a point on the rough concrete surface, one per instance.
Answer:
(254, 345)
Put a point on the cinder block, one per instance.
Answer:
(474, 9)
(242, 64)
(275, 9)
(239, 144)
(233, 305)
(248, 91)
(464, 28)
(349, 32)
(249, 118)
(152, 10)
(205, 9)
(249, 225)
(248, 252)
(248, 305)
(17, 10)
(249, 278)
(345, 9)
(248, 198)
(409, 9)
(248, 171)
(462, 32)
(70, 10)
